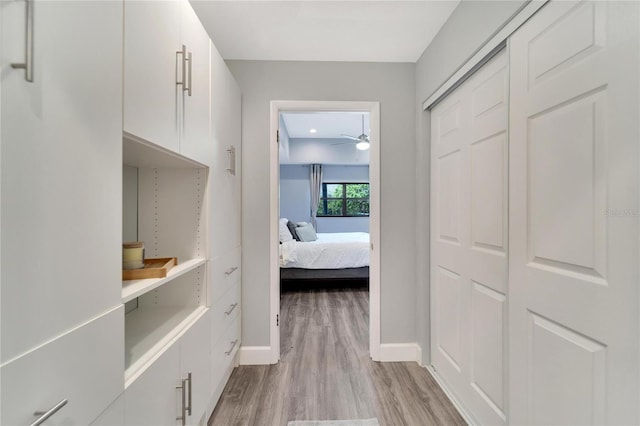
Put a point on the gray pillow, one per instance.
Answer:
(306, 233)
(292, 229)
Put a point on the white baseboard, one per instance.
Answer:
(458, 406)
(254, 355)
(400, 352)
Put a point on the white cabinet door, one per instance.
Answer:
(154, 399)
(152, 67)
(574, 200)
(195, 141)
(226, 134)
(195, 360)
(61, 170)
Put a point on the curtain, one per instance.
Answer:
(316, 191)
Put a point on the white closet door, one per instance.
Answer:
(469, 240)
(61, 170)
(574, 225)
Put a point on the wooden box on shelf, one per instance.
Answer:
(153, 268)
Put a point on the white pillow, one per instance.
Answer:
(285, 235)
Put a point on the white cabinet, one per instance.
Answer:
(83, 367)
(153, 399)
(61, 170)
(195, 141)
(166, 76)
(224, 231)
(151, 40)
(61, 314)
(223, 358)
(175, 385)
(172, 222)
(226, 103)
(195, 363)
(184, 140)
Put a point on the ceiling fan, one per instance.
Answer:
(362, 141)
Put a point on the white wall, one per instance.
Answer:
(468, 28)
(391, 84)
(284, 141)
(295, 197)
(324, 151)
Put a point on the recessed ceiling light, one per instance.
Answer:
(313, 131)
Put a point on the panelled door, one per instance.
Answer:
(574, 233)
(469, 240)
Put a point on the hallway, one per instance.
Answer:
(325, 372)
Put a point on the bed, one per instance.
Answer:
(334, 256)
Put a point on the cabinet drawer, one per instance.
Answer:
(225, 271)
(225, 311)
(224, 351)
(83, 366)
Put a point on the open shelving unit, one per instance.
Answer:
(171, 221)
(134, 288)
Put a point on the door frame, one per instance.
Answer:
(373, 108)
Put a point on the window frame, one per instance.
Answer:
(324, 199)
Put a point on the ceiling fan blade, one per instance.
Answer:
(351, 137)
(344, 143)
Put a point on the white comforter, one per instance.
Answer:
(329, 251)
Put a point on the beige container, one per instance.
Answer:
(133, 255)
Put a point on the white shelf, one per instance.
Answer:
(134, 288)
(148, 331)
(138, 152)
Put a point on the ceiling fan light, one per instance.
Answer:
(362, 145)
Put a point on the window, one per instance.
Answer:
(344, 200)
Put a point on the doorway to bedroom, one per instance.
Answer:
(325, 287)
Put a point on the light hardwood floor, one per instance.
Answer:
(325, 372)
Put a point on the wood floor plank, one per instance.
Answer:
(325, 372)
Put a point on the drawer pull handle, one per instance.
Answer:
(190, 61)
(230, 271)
(27, 65)
(190, 403)
(44, 415)
(232, 308)
(232, 160)
(183, 66)
(183, 388)
(233, 345)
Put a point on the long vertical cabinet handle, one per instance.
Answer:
(190, 400)
(232, 168)
(27, 65)
(183, 67)
(190, 61)
(183, 387)
(44, 415)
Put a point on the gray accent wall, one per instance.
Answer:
(295, 192)
(295, 196)
(470, 25)
(391, 84)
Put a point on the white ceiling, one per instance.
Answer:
(328, 125)
(323, 30)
